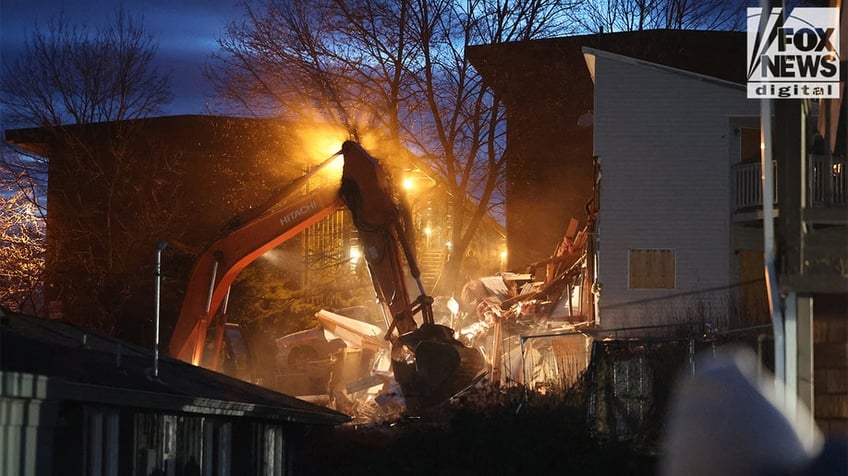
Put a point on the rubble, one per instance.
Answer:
(526, 324)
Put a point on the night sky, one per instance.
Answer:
(186, 32)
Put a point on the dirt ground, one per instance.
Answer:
(490, 434)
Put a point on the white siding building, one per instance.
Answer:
(664, 139)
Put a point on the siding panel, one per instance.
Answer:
(663, 140)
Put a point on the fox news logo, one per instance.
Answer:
(795, 58)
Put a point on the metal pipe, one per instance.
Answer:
(219, 333)
(213, 276)
(226, 301)
(158, 273)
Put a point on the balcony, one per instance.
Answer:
(826, 186)
(748, 189)
(827, 182)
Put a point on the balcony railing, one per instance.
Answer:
(749, 186)
(826, 184)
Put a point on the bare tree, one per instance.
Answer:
(120, 197)
(110, 204)
(395, 75)
(595, 16)
(68, 74)
(22, 222)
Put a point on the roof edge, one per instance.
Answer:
(648, 64)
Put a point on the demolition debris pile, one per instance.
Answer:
(527, 325)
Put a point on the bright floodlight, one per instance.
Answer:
(355, 254)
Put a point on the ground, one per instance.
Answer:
(499, 433)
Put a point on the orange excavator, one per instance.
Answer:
(428, 363)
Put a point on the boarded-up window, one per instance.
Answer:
(652, 269)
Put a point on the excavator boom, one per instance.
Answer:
(428, 363)
(216, 269)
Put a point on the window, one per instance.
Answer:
(652, 269)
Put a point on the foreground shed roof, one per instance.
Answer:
(60, 361)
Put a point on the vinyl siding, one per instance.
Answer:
(663, 139)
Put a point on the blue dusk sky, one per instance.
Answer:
(186, 32)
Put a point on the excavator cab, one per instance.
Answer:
(429, 364)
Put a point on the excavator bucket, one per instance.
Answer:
(428, 363)
(431, 366)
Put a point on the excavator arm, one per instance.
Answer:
(216, 269)
(428, 363)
